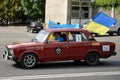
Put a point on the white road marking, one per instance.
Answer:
(32, 77)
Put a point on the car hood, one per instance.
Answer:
(23, 45)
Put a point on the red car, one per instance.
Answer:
(77, 45)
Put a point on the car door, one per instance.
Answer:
(78, 44)
(57, 51)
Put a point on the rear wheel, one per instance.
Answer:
(92, 59)
(27, 30)
(29, 60)
(31, 30)
(97, 35)
(111, 34)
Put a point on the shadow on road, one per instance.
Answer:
(70, 64)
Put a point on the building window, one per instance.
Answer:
(75, 14)
(80, 8)
(80, 11)
(75, 5)
(75, 2)
(84, 8)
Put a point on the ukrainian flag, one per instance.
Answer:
(53, 25)
(97, 28)
(101, 23)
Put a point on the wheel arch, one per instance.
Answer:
(97, 52)
(92, 58)
(34, 53)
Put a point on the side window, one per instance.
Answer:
(84, 38)
(63, 35)
(77, 37)
(57, 37)
(51, 37)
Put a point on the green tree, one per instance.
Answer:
(34, 9)
(8, 10)
(108, 4)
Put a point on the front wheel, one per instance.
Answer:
(92, 59)
(29, 60)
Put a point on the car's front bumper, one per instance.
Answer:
(114, 53)
(6, 55)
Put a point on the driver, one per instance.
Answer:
(57, 37)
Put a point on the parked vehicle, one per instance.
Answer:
(2, 23)
(34, 27)
(114, 29)
(77, 45)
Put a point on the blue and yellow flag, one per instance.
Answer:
(101, 23)
(51, 22)
(97, 28)
(53, 25)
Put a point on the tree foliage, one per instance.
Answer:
(34, 9)
(106, 3)
(10, 10)
(18, 10)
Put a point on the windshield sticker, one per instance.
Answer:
(58, 50)
(106, 48)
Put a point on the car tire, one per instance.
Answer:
(29, 60)
(118, 32)
(32, 31)
(111, 34)
(92, 59)
(27, 30)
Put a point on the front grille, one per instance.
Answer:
(8, 51)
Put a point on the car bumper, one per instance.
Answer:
(114, 54)
(6, 55)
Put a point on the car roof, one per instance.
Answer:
(70, 30)
(65, 30)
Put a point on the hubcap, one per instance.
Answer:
(29, 60)
(92, 59)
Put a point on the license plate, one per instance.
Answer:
(39, 27)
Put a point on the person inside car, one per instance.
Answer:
(57, 37)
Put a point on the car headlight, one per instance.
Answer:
(11, 52)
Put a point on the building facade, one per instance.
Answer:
(56, 10)
(71, 11)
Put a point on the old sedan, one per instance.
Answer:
(34, 27)
(77, 45)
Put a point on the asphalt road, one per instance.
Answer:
(107, 69)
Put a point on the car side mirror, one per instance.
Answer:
(91, 38)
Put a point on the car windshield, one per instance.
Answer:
(42, 35)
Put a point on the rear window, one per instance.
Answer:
(77, 37)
